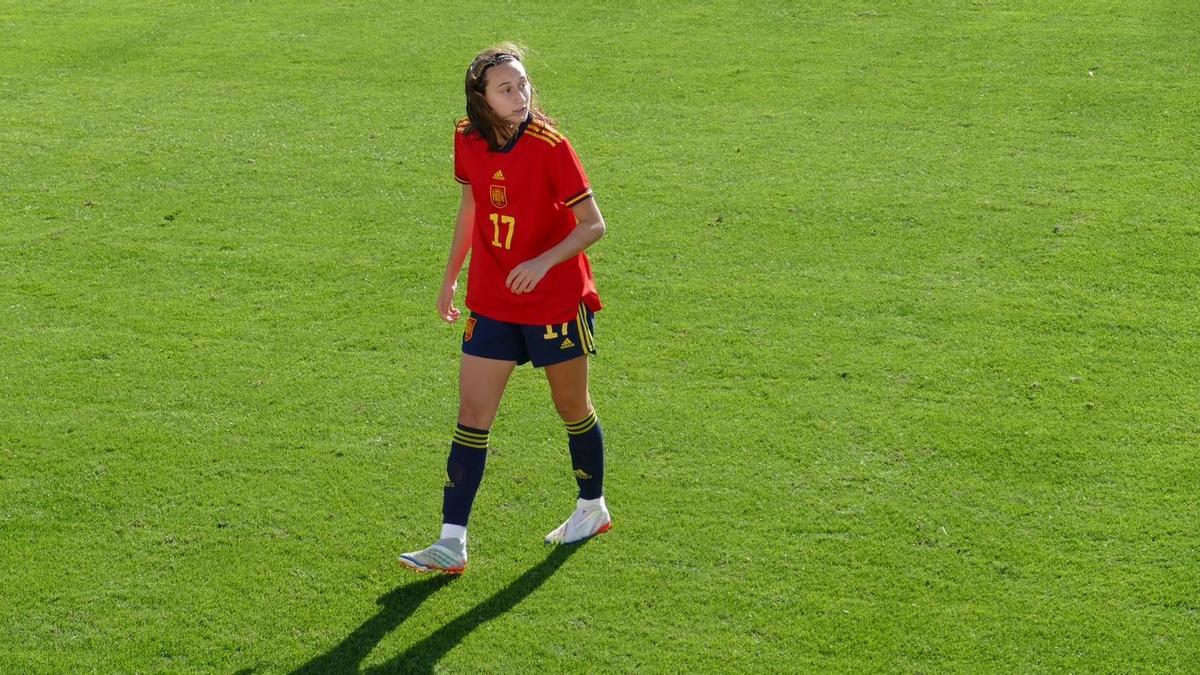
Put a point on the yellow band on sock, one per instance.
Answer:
(471, 439)
(584, 425)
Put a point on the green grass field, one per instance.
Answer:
(898, 369)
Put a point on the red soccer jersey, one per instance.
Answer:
(523, 198)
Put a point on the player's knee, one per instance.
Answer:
(572, 409)
(476, 417)
(475, 422)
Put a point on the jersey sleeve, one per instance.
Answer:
(570, 183)
(460, 158)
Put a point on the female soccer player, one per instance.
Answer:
(526, 216)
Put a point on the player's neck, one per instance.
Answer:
(506, 137)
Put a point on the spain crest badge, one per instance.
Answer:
(499, 196)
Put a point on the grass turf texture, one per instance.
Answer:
(897, 370)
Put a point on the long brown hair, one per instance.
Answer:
(479, 113)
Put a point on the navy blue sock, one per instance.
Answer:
(586, 442)
(464, 472)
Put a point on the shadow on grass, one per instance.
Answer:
(395, 606)
(401, 602)
(424, 655)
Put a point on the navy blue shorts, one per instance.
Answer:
(545, 345)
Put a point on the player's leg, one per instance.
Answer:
(481, 386)
(569, 389)
(482, 380)
(481, 383)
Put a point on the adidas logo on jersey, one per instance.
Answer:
(499, 175)
(567, 344)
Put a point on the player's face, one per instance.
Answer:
(508, 91)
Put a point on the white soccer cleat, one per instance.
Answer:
(448, 556)
(582, 524)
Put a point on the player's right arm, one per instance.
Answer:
(459, 247)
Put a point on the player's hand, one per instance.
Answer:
(525, 277)
(446, 308)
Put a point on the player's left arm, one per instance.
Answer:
(590, 228)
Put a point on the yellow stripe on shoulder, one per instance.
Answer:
(462, 124)
(538, 135)
(547, 130)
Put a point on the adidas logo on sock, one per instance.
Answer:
(582, 475)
